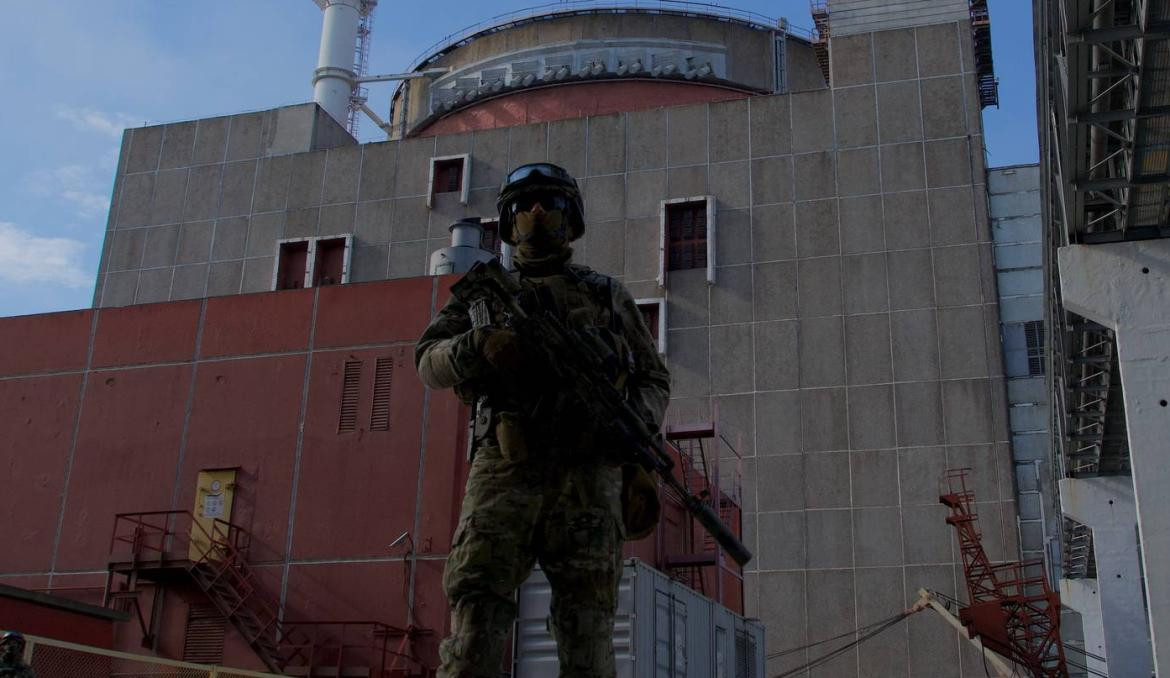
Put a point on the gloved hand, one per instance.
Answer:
(500, 348)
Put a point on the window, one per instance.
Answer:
(308, 262)
(1034, 337)
(450, 174)
(654, 313)
(688, 236)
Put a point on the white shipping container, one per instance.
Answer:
(663, 629)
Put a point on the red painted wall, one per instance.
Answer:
(576, 100)
(35, 619)
(124, 420)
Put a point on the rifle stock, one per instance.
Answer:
(569, 360)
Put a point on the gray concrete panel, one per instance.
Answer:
(823, 363)
(814, 176)
(454, 144)
(949, 162)
(775, 290)
(934, 646)
(170, 191)
(957, 275)
(938, 49)
(946, 114)
(239, 180)
(952, 215)
(245, 136)
(685, 182)
(231, 236)
(566, 145)
(126, 252)
(777, 356)
(263, 232)
(644, 191)
(178, 145)
(408, 259)
(336, 219)
(134, 203)
(831, 603)
(606, 246)
(489, 158)
(735, 419)
(851, 60)
(914, 338)
(857, 172)
(689, 360)
(369, 263)
(224, 278)
(528, 143)
(607, 144)
(865, 286)
(874, 474)
(189, 282)
(646, 139)
(195, 242)
(154, 285)
(893, 54)
(409, 220)
(687, 142)
(372, 222)
(272, 183)
(733, 244)
(824, 420)
(301, 223)
(605, 197)
(856, 116)
(861, 224)
(784, 547)
(780, 485)
(211, 140)
(982, 478)
(642, 238)
(903, 167)
(687, 298)
(119, 288)
(145, 147)
(877, 589)
(730, 184)
(379, 162)
(778, 417)
(911, 277)
(819, 287)
(203, 191)
(919, 415)
(867, 347)
(771, 126)
(830, 538)
(899, 112)
(772, 180)
(812, 121)
(258, 274)
(927, 538)
(728, 130)
(413, 167)
(962, 344)
(907, 224)
(919, 469)
(343, 168)
(877, 537)
(967, 409)
(160, 246)
(773, 232)
(305, 179)
(871, 417)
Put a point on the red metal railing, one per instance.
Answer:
(387, 650)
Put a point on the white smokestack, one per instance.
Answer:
(334, 79)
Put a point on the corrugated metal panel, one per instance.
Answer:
(848, 17)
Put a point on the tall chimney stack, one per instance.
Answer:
(334, 79)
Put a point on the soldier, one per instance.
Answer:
(12, 656)
(544, 486)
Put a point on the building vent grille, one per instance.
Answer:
(205, 632)
(1034, 337)
(350, 391)
(383, 377)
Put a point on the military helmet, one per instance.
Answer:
(12, 636)
(542, 177)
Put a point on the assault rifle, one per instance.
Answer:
(577, 363)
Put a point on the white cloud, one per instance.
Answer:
(76, 184)
(29, 258)
(91, 119)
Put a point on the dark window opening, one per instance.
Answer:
(491, 238)
(329, 264)
(686, 235)
(351, 382)
(448, 176)
(383, 379)
(1034, 337)
(294, 260)
(650, 313)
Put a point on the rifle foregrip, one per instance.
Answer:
(708, 519)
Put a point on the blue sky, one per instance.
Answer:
(76, 72)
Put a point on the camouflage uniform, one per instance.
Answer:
(11, 662)
(540, 497)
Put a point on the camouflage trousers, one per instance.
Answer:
(518, 512)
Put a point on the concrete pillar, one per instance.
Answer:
(1111, 607)
(1081, 595)
(1126, 286)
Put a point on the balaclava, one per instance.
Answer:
(542, 241)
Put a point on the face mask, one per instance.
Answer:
(541, 233)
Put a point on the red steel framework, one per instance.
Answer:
(1011, 607)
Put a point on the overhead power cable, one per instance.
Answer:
(826, 658)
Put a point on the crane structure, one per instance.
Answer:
(1011, 607)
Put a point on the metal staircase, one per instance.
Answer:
(820, 16)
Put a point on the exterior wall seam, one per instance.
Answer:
(189, 407)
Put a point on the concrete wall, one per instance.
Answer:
(849, 17)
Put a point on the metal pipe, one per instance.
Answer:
(429, 73)
(334, 79)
